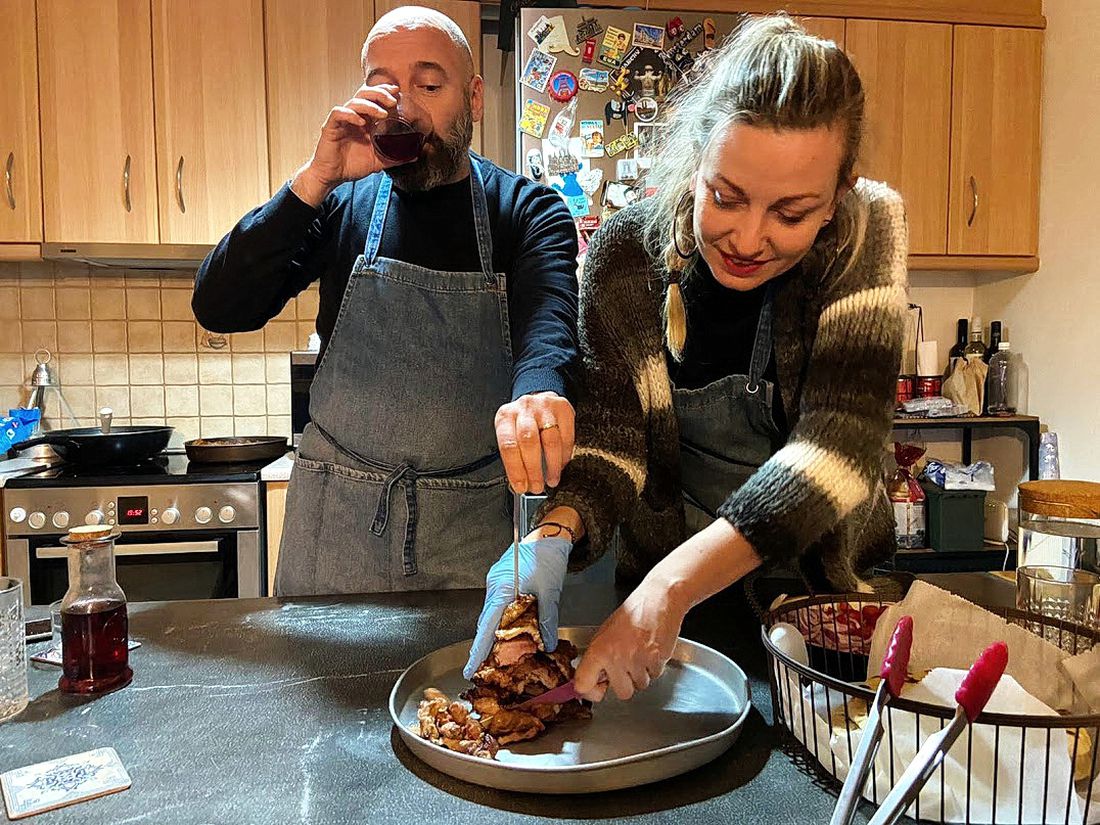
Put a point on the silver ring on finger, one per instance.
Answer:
(549, 425)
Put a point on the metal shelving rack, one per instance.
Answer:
(993, 556)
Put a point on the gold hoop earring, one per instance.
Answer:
(675, 234)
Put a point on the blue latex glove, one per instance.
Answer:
(542, 566)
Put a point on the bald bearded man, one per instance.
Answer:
(447, 318)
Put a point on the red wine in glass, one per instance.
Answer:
(397, 140)
(95, 649)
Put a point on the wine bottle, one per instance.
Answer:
(994, 340)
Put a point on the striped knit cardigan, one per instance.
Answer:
(819, 502)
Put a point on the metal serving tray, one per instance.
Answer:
(688, 717)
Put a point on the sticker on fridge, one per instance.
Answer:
(614, 46)
(592, 135)
(536, 74)
(594, 80)
(588, 29)
(649, 37)
(540, 31)
(533, 119)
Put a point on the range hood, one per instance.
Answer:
(129, 255)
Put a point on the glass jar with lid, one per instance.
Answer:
(1059, 524)
(94, 623)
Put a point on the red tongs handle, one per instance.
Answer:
(978, 685)
(895, 664)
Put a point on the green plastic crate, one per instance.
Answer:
(956, 518)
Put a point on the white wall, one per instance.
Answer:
(1053, 316)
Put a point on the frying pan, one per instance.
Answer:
(90, 445)
(235, 450)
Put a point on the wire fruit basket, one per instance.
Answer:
(1009, 771)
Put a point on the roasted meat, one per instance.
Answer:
(450, 724)
(518, 668)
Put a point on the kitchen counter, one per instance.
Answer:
(279, 469)
(267, 710)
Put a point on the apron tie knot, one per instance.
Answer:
(382, 514)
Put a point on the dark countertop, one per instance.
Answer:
(266, 710)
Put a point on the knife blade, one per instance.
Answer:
(515, 543)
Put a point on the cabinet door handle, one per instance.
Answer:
(7, 179)
(179, 186)
(126, 184)
(973, 201)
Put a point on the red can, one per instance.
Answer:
(929, 386)
(905, 389)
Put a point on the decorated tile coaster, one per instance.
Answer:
(60, 782)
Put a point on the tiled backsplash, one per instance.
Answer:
(130, 342)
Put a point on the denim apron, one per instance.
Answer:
(727, 429)
(398, 484)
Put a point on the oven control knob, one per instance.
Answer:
(94, 517)
(37, 520)
(203, 515)
(17, 514)
(61, 519)
(170, 515)
(226, 514)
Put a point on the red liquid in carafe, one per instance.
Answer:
(95, 649)
(403, 147)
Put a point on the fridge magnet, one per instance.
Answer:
(592, 135)
(614, 110)
(645, 109)
(562, 163)
(540, 31)
(537, 71)
(619, 195)
(649, 37)
(620, 83)
(558, 39)
(532, 121)
(594, 80)
(614, 46)
(621, 144)
(589, 223)
(626, 169)
(674, 27)
(562, 125)
(588, 29)
(563, 86)
(590, 179)
(710, 32)
(647, 81)
(534, 164)
(573, 195)
(647, 134)
(589, 51)
(689, 36)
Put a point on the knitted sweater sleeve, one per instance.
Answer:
(832, 459)
(608, 469)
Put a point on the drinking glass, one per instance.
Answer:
(1063, 593)
(13, 650)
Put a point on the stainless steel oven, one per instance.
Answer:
(182, 540)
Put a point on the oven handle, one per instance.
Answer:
(172, 547)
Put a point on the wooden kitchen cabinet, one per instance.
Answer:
(906, 74)
(467, 15)
(21, 197)
(995, 128)
(95, 70)
(312, 57)
(276, 511)
(829, 28)
(211, 136)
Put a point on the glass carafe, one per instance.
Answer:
(94, 625)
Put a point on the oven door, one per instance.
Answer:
(156, 566)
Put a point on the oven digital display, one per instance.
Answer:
(133, 509)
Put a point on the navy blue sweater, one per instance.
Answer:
(281, 247)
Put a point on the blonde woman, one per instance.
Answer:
(740, 334)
